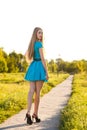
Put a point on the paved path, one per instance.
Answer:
(49, 110)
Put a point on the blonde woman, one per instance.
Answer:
(36, 73)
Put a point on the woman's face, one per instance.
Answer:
(39, 34)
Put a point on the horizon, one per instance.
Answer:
(59, 57)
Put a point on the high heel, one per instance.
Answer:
(34, 116)
(29, 121)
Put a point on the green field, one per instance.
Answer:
(14, 90)
(74, 115)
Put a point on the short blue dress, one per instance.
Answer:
(36, 71)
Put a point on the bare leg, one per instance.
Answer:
(38, 87)
(30, 95)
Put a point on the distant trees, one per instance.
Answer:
(14, 62)
(70, 67)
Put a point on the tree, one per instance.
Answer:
(52, 66)
(81, 65)
(13, 62)
(3, 61)
(3, 65)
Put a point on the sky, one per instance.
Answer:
(64, 24)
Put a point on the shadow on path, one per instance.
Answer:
(43, 125)
(12, 126)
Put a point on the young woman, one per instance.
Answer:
(36, 73)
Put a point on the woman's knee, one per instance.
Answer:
(32, 87)
(31, 91)
(37, 94)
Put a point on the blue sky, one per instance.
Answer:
(64, 23)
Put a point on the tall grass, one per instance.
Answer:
(14, 90)
(74, 115)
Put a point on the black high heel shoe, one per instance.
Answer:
(29, 121)
(34, 116)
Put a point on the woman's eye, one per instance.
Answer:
(40, 32)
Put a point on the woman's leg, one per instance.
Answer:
(30, 96)
(38, 86)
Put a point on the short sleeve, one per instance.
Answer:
(40, 45)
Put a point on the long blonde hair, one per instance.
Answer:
(30, 51)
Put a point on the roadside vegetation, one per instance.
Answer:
(74, 115)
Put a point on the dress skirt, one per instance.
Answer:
(36, 72)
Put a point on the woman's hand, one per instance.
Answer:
(47, 77)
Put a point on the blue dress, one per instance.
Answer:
(36, 71)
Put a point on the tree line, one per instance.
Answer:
(14, 62)
(73, 67)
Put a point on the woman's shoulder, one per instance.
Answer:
(38, 43)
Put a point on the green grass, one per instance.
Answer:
(74, 115)
(14, 90)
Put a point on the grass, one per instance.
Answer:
(14, 90)
(74, 115)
